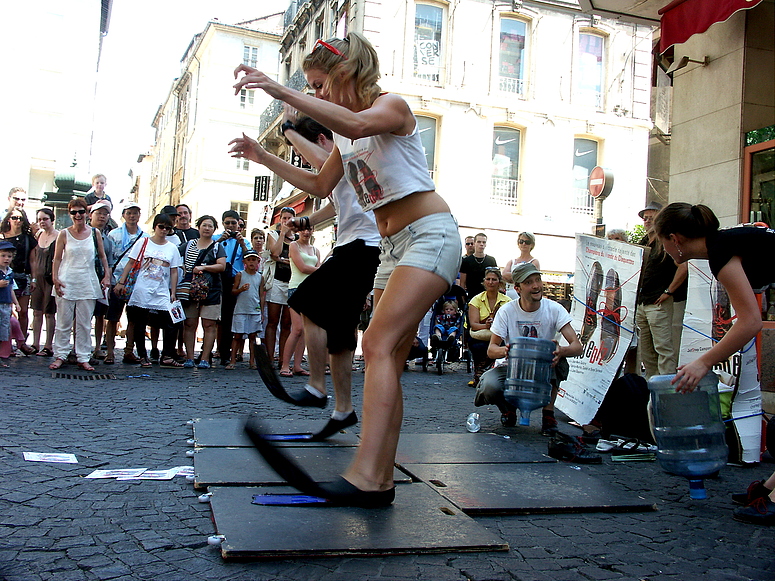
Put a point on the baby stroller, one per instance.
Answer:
(448, 329)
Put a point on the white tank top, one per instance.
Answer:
(385, 168)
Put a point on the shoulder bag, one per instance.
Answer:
(131, 278)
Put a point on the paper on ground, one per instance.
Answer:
(45, 457)
(119, 473)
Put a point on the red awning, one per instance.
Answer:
(683, 18)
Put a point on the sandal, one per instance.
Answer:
(45, 352)
(145, 362)
(230, 367)
(56, 364)
(86, 366)
(286, 373)
(303, 373)
(170, 363)
(26, 349)
(110, 359)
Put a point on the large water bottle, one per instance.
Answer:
(528, 382)
(689, 430)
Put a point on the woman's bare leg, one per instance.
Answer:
(409, 294)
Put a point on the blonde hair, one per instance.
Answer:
(359, 65)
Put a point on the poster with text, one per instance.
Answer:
(605, 290)
(708, 317)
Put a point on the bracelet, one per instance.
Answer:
(304, 223)
(286, 126)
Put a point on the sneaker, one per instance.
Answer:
(755, 490)
(760, 512)
(188, 364)
(203, 364)
(548, 426)
(509, 419)
(571, 449)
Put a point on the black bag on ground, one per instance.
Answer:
(624, 411)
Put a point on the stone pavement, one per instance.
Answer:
(55, 524)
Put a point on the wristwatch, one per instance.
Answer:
(667, 292)
(286, 126)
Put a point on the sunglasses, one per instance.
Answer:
(15, 199)
(492, 269)
(523, 241)
(166, 227)
(230, 223)
(327, 46)
(74, 212)
(289, 210)
(15, 217)
(469, 243)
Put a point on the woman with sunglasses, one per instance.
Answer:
(154, 290)
(526, 242)
(76, 285)
(16, 229)
(378, 149)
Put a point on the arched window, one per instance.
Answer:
(585, 153)
(511, 56)
(505, 165)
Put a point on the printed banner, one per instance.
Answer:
(605, 293)
(709, 315)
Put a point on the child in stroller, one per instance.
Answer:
(447, 326)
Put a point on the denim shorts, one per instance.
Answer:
(431, 243)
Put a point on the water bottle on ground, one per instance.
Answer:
(689, 431)
(472, 423)
(528, 381)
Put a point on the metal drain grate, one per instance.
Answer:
(90, 377)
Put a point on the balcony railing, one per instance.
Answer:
(504, 191)
(511, 85)
(297, 81)
(582, 202)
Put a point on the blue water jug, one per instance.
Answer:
(689, 430)
(528, 384)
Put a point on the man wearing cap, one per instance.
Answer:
(528, 316)
(123, 238)
(661, 302)
(235, 246)
(98, 219)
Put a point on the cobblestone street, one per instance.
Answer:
(55, 524)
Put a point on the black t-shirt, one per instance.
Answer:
(186, 235)
(24, 243)
(658, 272)
(755, 247)
(473, 268)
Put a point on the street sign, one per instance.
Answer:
(601, 181)
(261, 189)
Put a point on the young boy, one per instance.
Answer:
(249, 289)
(7, 300)
(446, 325)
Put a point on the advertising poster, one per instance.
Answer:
(605, 292)
(708, 317)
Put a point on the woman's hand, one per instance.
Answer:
(58, 287)
(247, 148)
(105, 282)
(255, 79)
(689, 375)
(173, 296)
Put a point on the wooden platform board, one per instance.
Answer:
(246, 467)
(500, 489)
(420, 521)
(228, 432)
(464, 448)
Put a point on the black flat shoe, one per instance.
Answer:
(341, 493)
(269, 376)
(304, 398)
(335, 426)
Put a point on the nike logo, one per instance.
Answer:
(580, 153)
(424, 130)
(499, 141)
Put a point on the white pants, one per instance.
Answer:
(81, 313)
